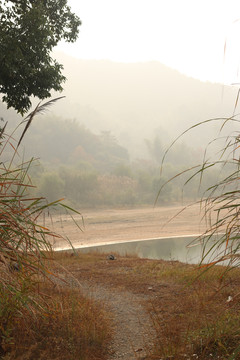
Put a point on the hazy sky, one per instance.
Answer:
(188, 35)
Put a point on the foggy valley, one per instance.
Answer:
(102, 145)
(119, 178)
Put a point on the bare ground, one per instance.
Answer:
(133, 335)
(116, 225)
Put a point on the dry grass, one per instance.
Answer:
(72, 327)
(38, 320)
(192, 316)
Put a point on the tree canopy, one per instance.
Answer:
(29, 29)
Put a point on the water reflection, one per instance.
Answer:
(172, 248)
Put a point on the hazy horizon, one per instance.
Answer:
(197, 38)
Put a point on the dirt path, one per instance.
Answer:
(130, 320)
(133, 335)
(132, 327)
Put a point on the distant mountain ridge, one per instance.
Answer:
(139, 100)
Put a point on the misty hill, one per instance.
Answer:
(112, 110)
(139, 100)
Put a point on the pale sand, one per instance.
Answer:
(116, 225)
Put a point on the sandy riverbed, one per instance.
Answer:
(116, 225)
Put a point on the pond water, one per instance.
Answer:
(179, 248)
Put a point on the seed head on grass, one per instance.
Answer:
(24, 243)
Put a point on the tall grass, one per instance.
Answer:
(22, 242)
(26, 310)
(219, 203)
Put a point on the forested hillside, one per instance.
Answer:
(139, 100)
(103, 144)
(92, 169)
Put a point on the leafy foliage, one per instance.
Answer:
(29, 30)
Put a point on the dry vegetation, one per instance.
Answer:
(71, 327)
(38, 318)
(195, 313)
(194, 317)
